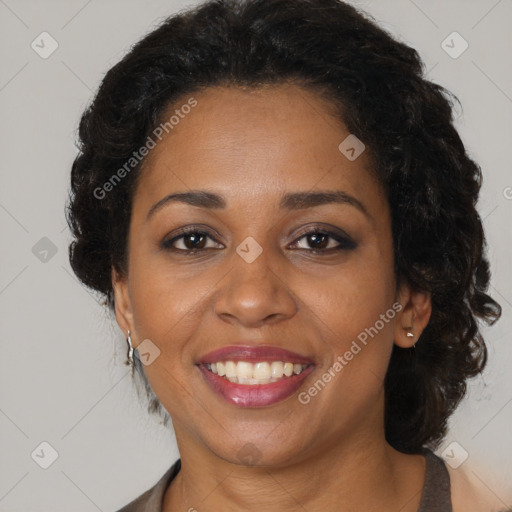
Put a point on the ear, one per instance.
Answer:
(123, 305)
(414, 316)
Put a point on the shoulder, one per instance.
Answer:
(152, 499)
(470, 494)
(138, 504)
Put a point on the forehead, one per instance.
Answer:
(254, 144)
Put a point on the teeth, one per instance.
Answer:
(231, 369)
(261, 372)
(277, 370)
(288, 369)
(243, 370)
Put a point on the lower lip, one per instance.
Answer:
(258, 395)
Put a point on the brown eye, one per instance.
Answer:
(194, 241)
(188, 241)
(318, 240)
(325, 241)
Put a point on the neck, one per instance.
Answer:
(358, 474)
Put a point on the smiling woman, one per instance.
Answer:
(308, 229)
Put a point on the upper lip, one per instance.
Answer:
(253, 353)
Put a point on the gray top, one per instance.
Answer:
(434, 498)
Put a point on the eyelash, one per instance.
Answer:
(345, 243)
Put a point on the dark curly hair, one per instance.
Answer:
(378, 88)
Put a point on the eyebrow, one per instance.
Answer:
(291, 201)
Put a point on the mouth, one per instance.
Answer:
(249, 376)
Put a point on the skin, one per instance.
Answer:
(252, 146)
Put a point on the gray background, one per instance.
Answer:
(62, 378)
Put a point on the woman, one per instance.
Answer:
(278, 208)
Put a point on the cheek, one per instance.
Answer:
(353, 297)
(164, 307)
(163, 291)
(353, 314)
(353, 309)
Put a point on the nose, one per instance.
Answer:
(254, 294)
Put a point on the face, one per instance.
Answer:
(266, 265)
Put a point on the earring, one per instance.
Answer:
(410, 334)
(131, 361)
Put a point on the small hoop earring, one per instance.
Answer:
(131, 361)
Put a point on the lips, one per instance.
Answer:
(253, 354)
(251, 393)
(261, 395)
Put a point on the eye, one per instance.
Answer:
(190, 240)
(324, 241)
